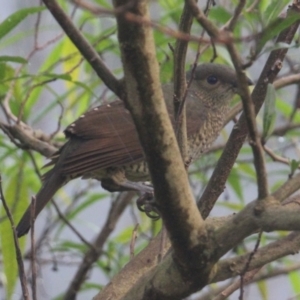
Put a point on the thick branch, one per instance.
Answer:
(145, 102)
(167, 170)
(247, 221)
(286, 81)
(146, 261)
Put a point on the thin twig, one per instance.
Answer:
(78, 234)
(133, 240)
(245, 271)
(164, 237)
(286, 81)
(252, 6)
(180, 82)
(276, 157)
(209, 26)
(250, 115)
(33, 255)
(236, 285)
(237, 12)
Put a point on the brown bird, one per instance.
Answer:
(103, 143)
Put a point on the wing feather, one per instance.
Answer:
(106, 137)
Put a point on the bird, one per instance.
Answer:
(103, 143)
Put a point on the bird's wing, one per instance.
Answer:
(106, 137)
(101, 138)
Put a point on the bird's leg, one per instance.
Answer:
(113, 185)
(117, 182)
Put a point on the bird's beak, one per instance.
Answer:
(235, 86)
(249, 81)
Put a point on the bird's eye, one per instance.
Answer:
(212, 79)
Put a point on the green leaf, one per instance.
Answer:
(263, 289)
(294, 280)
(16, 59)
(173, 10)
(90, 285)
(2, 71)
(294, 164)
(274, 9)
(219, 14)
(16, 196)
(230, 205)
(58, 76)
(124, 236)
(47, 66)
(274, 29)
(269, 116)
(247, 169)
(263, 4)
(104, 3)
(13, 20)
(284, 108)
(68, 245)
(235, 182)
(278, 46)
(10, 267)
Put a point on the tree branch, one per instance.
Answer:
(231, 267)
(220, 241)
(87, 51)
(185, 25)
(237, 12)
(249, 113)
(217, 181)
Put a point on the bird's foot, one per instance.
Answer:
(146, 203)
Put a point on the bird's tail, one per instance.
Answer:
(52, 183)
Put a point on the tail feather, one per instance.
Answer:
(51, 184)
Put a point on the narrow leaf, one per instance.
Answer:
(16, 59)
(13, 20)
(274, 9)
(274, 29)
(294, 164)
(17, 197)
(269, 112)
(294, 278)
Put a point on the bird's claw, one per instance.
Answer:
(146, 203)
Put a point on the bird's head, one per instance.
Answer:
(215, 84)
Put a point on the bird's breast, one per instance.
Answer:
(200, 141)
